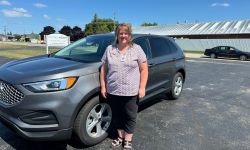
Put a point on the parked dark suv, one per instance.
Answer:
(50, 97)
(227, 51)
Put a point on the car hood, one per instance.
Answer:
(44, 68)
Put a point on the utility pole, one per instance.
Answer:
(4, 28)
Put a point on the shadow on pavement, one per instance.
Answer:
(13, 141)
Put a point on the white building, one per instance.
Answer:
(199, 36)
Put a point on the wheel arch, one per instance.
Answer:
(183, 72)
(244, 55)
(84, 100)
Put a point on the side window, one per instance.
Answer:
(231, 49)
(105, 44)
(222, 49)
(159, 46)
(144, 45)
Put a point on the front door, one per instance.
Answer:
(143, 42)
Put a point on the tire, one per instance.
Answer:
(212, 55)
(243, 58)
(93, 122)
(176, 87)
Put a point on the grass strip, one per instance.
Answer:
(19, 54)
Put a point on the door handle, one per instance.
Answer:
(150, 65)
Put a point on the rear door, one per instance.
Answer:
(222, 51)
(163, 61)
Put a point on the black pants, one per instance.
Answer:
(124, 111)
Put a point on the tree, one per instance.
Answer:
(77, 33)
(149, 24)
(99, 26)
(89, 29)
(66, 30)
(46, 31)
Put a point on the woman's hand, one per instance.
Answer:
(102, 81)
(104, 92)
(141, 93)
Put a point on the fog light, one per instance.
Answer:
(39, 118)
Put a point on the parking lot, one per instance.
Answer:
(212, 114)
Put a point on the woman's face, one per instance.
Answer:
(123, 36)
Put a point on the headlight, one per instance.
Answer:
(51, 85)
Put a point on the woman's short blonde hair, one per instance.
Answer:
(125, 26)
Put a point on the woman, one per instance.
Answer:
(123, 80)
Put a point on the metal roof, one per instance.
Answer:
(224, 27)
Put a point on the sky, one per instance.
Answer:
(27, 16)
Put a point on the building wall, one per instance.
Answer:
(202, 44)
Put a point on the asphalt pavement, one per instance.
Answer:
(211, 114)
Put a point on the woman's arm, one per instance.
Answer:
(102, 80)
(143, 79)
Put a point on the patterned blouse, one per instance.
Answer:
(123, 74)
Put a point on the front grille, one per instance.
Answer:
(9, 95)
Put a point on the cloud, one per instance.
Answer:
(46, 17)
(60, 19)
(5, 3)
(220, 5)
(40, 5)
(16, 12)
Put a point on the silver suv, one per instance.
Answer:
(50, 97)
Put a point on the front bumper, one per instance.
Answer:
(42, 116)
(56, 135)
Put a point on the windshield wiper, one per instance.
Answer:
(73, 59)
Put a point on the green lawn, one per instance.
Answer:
(12, 46)
(18, 54)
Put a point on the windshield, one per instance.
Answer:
(89, 49)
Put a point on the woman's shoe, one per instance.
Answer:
(117, 142)
(127, 145)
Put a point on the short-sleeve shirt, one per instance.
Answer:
(123, 74)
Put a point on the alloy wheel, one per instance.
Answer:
(178, 86)
(98, 120)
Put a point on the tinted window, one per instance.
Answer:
(105, 44)
(144, 44)
(231, 49)
(159, 46)
(223, 48)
